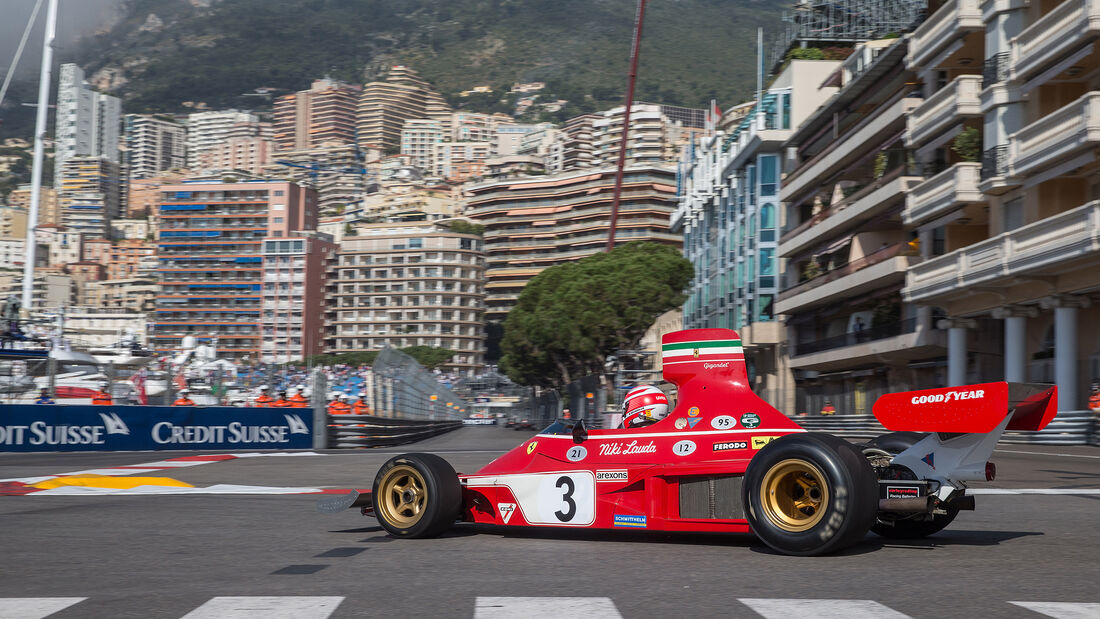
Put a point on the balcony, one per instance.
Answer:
(849, 147)
(947, 25)
(959, 100)
(943, 193)
(1069, 27)
(1048, 247)
(903, 340)
(872, 271)
(1058, 136)
(865, 204)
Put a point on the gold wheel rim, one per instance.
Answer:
(402, 496)
(794, 494)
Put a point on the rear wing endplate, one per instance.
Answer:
(969, 408)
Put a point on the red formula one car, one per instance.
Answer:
(724, 461)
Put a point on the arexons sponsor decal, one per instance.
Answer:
(611, 476)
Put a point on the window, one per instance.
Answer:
(416, 243)
(767, 216)
(769, 175)
(767, 262)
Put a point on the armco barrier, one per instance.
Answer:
(1068, 428)
(370, 431)
(29, 427)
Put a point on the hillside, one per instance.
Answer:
(164, 52)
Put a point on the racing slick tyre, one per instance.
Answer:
(416, 495)
(810, 494)
(906, 526)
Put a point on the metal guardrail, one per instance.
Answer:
(1068, 428)
(351, 431)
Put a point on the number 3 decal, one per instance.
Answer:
(567, 498)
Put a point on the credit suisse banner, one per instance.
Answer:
(30, 427)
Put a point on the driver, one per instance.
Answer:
(644, 405)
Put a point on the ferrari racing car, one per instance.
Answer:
(723, 460)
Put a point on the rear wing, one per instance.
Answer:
(969, 408)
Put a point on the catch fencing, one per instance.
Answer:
(403, 389)
(1068, 428)
(351, 431)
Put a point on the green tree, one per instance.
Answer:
(464, 227)
(429, 357)
(570, 317)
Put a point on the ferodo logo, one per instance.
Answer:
(950, 396)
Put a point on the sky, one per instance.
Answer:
(74, 19)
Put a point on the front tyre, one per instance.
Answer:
(416, 495)
(810, 494)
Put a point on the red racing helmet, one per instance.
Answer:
(644, 404)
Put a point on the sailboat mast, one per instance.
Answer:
(36, 167)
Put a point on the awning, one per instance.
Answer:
(835, 245)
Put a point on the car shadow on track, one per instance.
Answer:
(954, 537)
(604, 535)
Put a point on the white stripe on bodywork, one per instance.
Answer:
(686, 433)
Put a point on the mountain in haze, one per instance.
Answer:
(162, 53)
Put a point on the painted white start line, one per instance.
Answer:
(1054, 491)
(820, 609)
(545, 608)
(34, 608)
(271, 607)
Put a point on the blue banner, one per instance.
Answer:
(30, 427)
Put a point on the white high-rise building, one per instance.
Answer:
(206, 130)
(87, 121)
(153, 145)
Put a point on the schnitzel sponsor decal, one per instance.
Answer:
(758, 442)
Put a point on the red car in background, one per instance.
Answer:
(723, 460)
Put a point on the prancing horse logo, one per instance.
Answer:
(696, 352)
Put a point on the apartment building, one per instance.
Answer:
(460, 161)
(340, 173)
(130, 294)
(13, 222)
(88, 194)
(154, 145)
(13, 253)
(574, 147)
(207, 130)
(238, 152)
(653, 137)
(532, 224)
(729, 214)
(87, 122)
(475, 127)
(49, 290)
(384, 107)
(1011, 240)
(323, 114)
(211, 259)
(295, 272)
(851, 334)
(419, 137)
(20, 198)
(409, 284)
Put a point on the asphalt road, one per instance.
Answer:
(168, 556)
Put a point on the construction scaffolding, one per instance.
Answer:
(820, 23)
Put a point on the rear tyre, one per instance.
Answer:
(907, 526)
(416, 495)
(810, 494)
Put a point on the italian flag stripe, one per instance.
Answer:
(701, 344)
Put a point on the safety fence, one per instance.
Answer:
(351, 431)
(404, 389)
(1068, 428)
